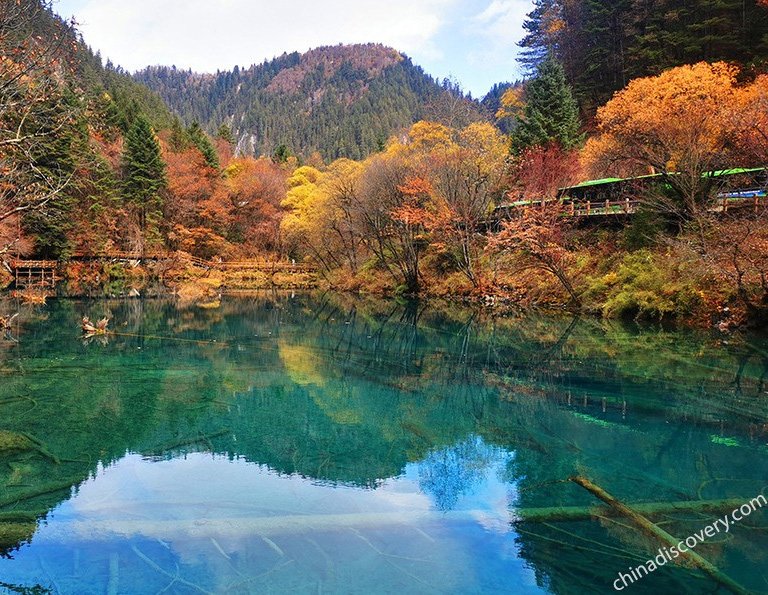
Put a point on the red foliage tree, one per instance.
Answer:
(539, 172)
(256, 189)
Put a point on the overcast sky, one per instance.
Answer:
(474, 41)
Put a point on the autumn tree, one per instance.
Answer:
(341, 185)
(197, 207)
(539, 172)
(225, 145)
(323, 218)
(452, 108)
(539, 241)
(465, 176)
(392, 214)
(677, 125)
(303, 225)
(256, 188)
(35, 113)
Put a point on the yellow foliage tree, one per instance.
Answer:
(322, 213)
(512, 103)
(434, 184)
(466, 176)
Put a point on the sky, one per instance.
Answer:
(473, 41)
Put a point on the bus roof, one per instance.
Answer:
(713, 174)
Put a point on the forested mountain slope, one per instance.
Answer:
(343, 101)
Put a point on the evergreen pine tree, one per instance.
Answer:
(550, 114)
(225, 134)
(200, 139)
(179, 140)
(281, 154)
(56, 155)
(603, 68)
(539, 40)
(143, 173)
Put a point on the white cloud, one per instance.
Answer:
(500, 25)
(206, 35)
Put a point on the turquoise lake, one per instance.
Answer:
(324, 444)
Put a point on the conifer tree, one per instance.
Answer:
(281, 154)
(57, 155)
(200, 139)
(144, 173)
(179, 140)
(551, 114)
(225, 134)
(539, 40)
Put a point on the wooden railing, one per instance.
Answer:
(16, 263)
(265, 266)
(754, 197)
(34, 273)
(607, 207)
(744, 198)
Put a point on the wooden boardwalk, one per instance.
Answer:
(43, 273)
(755, 199)
(34, 273)
(261, 266)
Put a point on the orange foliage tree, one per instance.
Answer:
(256, 188)
(197, 208)
(677, 124)
(539, 172)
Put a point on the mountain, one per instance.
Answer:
(343, 101)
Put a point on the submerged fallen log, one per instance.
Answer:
(21, 441)
(21, 516)
(585, 513)
(100, 328)
(660, 535)
(203, 438)
(244, 526)
(42, 491)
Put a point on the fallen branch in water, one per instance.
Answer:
(41, 447)
(163, 448)
(44, 491)
(660, 535)
(584, 513)
(100, 328)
